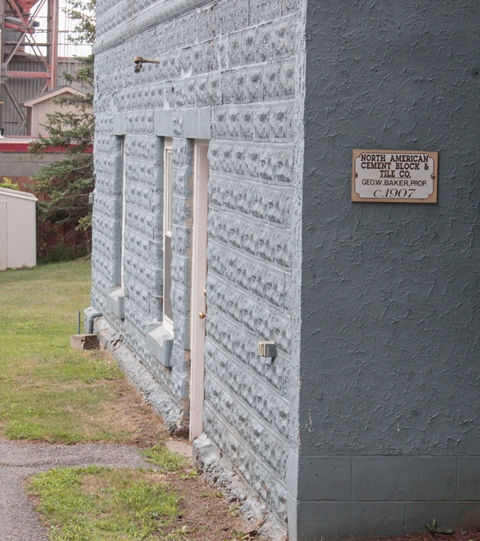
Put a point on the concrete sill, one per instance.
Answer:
(159, 343)
(116, 302)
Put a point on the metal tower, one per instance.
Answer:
(28, 52)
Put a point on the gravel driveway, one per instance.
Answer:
(18, 520)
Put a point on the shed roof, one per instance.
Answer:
(17, 195)
(53, 94)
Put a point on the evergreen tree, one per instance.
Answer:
(68, 182)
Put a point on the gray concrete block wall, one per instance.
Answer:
(389, 336)
(235, 64)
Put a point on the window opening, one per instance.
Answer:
(167, 236)
(124, 214)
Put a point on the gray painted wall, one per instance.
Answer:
(389, 402)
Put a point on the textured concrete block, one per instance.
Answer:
(247, 311)
(263, 10)
(347, 520)
(181, 269)
(257, 393)
(290, 6)
(468, 478)
(181, 237)
(244, 461)
(268, 283)
(234, 86)
(270, 162)
(263, 43)
(393, 478)
(234, 50)
(283, 38)
(205, 23)
(287, 80)
(232, 15)
(254, 85)
(248, 46)
(243, 347)
(210, 55)
(271, 80)
(455, 515)
(324, 478)
(186, 93)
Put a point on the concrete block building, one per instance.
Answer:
(320, 351)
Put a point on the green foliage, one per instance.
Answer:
(68, 182)
(83, 12)
(101, 504)
(62, 252)
(8, 183)
(166, 459)
(189, 474)
(433, 528)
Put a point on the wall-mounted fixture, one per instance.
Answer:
(139, 61)
(267, 349)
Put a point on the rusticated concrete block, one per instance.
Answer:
(220, 359)
(266, 282)
(245, 463)
(217, 64)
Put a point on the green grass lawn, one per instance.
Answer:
(49, 391)
(102, 504)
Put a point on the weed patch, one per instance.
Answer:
(102, 504)
(164, 458)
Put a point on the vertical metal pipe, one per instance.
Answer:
(53, 56)
(2, 76)
(79, 326)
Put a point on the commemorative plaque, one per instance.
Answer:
(394, 176)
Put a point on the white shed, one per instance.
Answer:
(18, 236)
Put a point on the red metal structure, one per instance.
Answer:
(22, 42)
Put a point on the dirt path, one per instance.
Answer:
(18, 520)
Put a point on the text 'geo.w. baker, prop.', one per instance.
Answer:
(394, 176)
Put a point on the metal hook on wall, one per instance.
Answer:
(139, 61)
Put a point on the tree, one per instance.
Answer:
(66, 184)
